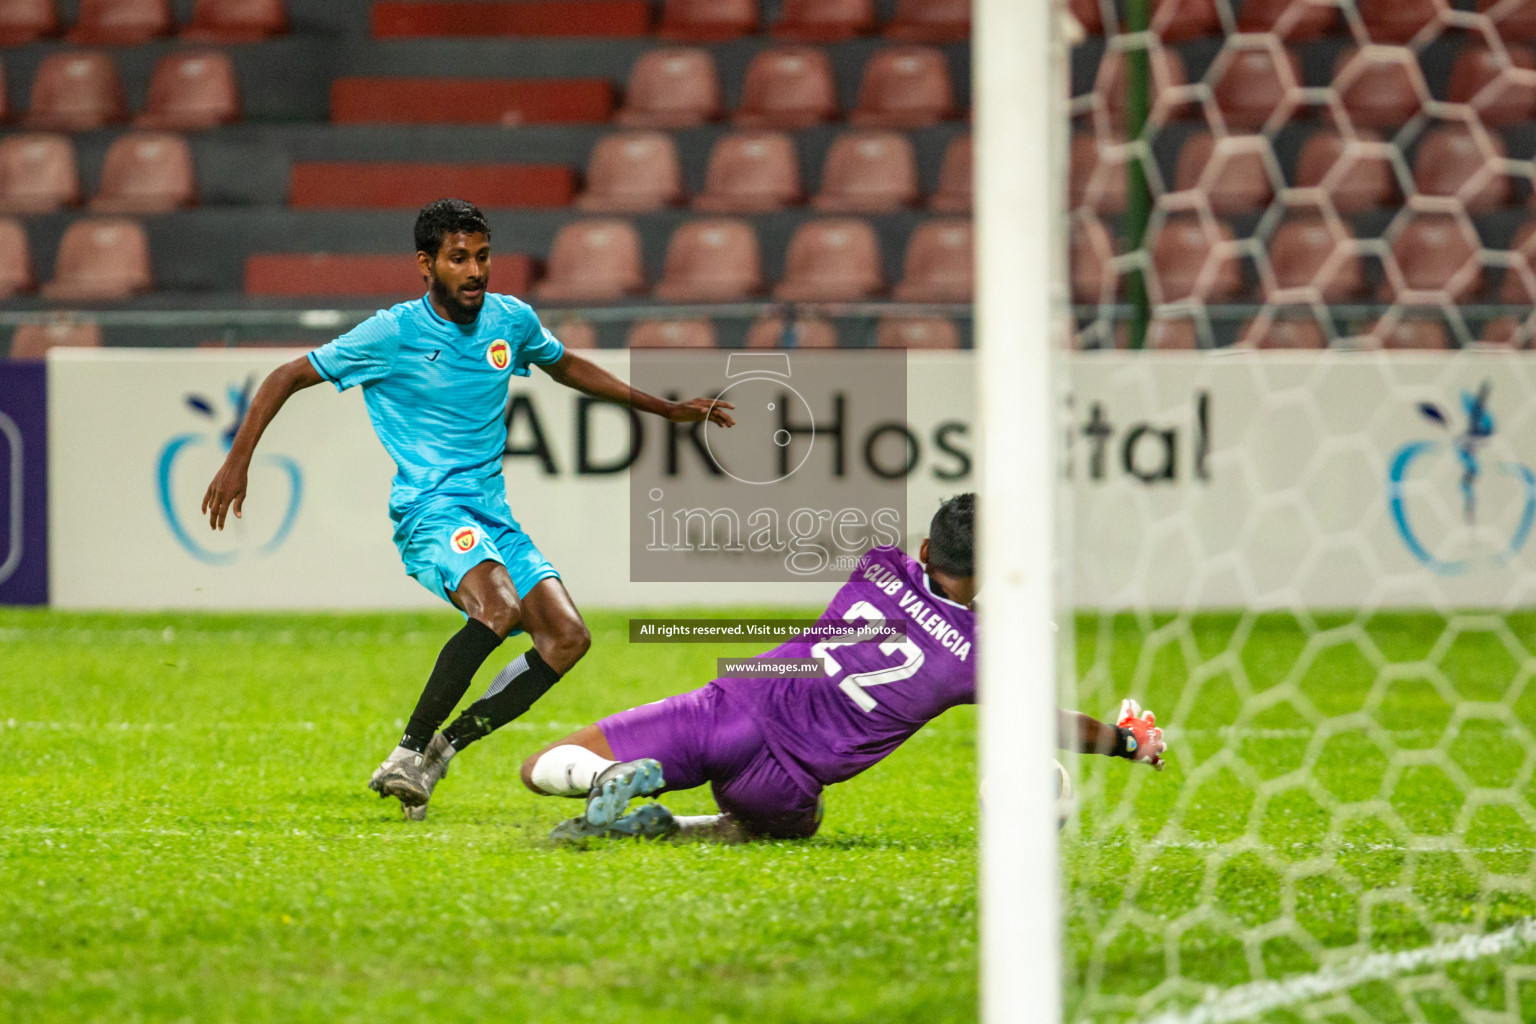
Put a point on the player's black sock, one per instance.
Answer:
(514, 690)
(462, 656)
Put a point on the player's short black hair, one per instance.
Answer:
(443, 217)
(952, 537)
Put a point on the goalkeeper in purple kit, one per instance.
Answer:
(768, 746)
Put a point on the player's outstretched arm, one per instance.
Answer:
(590, 379)
(228, 486)
(1135, 736)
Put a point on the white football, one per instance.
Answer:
(1064, 803)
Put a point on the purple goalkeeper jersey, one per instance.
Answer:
(874, 695)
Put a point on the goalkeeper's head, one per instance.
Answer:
(949, 553)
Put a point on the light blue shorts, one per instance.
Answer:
(450, 541)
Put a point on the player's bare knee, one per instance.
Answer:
(501, 614)
(565, 645)
(526, 772)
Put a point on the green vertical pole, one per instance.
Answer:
(1138, 94)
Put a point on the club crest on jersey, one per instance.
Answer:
(499, 354)
(464, 539)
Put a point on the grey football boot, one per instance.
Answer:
(619, 784)
(434, 765)
(652, 821)
(401, 778)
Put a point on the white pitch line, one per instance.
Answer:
(1247, 1001)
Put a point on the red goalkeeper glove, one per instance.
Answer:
(1140, 738)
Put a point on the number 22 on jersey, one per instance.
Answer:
(855, 685)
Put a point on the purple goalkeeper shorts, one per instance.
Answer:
(702, 737)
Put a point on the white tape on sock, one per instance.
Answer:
(568, 770)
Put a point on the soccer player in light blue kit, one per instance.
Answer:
(434, 374)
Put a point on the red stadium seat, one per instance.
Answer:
(831, 261)
(15, 259)
(1313, 263)
(1292, 20)
(32, 341)
(100, 259)
(1412, 334)
(76, 92)
(1087, 15)
(672, 334)
(931, 21)
(751, 172)
(671, 88)
(324, 273)
(1191, 259)
(824, 21)
(1514, 20)
(707, 20)
(1168, 72)
(1177, 20)
(236, 21)
(1381, 87)
(1397, 21)
(787, 87)
(412, 19)
(1172, 334)
(120, 22)
(1437, 257)
(575, 333)
(802, 331)
(190, 91)
(384, 184)
(955, 189)
(1230, 172)
(1255, 84)
(1515, 288)
(632, 172)
(917, 332)
(1505, 332)
(1454, 160)
(146, 173)
(37, 173)
(26, 21)
(712, 260)
(1501, 94)
(1282, 333)
(904, 87)
(1091, 250)
(1354, 176)
(868, 172)
(593, 261)
(498, 101)
(940, 264)
(1097, 179)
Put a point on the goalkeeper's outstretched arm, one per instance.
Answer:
(1135, 737)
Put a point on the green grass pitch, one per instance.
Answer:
(187, 835)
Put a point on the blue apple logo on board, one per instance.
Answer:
(1497, 501)
(188, 461)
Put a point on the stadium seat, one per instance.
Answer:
(100, 259)
(1168, 72)
(1177, 20)
(146, 173)
(1092, 248)
(1436, 255)
(1282, 333)
(76, 92)
(235, 21)
(1353, 177)
(1509, 101)
(824, 21)
(1515, 289)
(324, 273)
(672, 334)
(835, 260)
(1229, 172)
(1396, 21)
(26, 21)
(713, 260)
(671, 88)
(1172, 334)
(954, 194)
(574, 332)
(632, 172)
(190, 91)
(1254, 86)
(931, 21)
(787, 87)
(32, 341)
(1192, 260)
(15, 259)
(1087, 15)
(1454, 160)
(917, 332)
(120, 22)
(37, 173)
(1305, 253)
(1096, 179)
(1381, 87)
(940, 264)
(498, 101)
(904, 87)
(1504, 332)
(804, 332)
(751, 172)
(1292, 20)
(1411, 333)
(412, 19)
(1513, 21)
(707, 20)
(385, 184)
(868, 172)
(593, 261)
